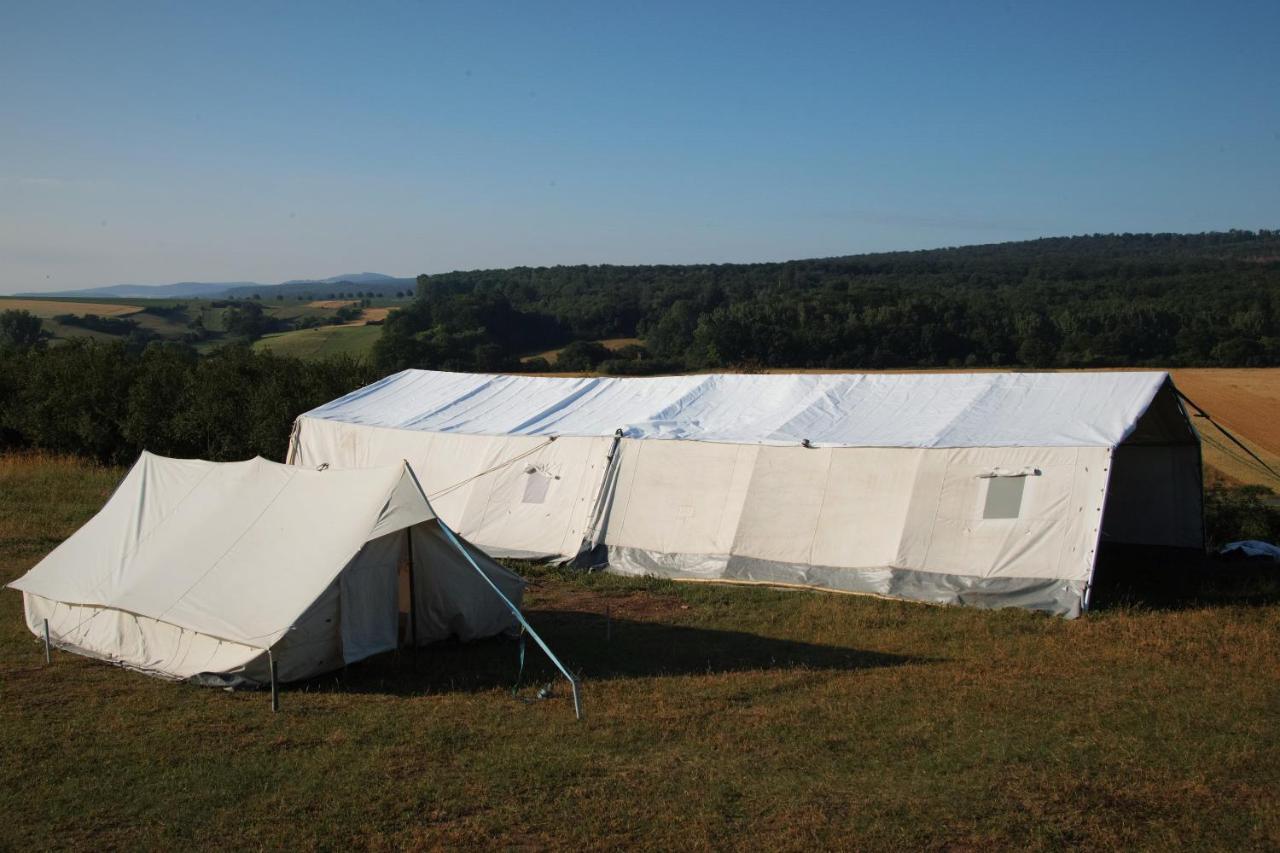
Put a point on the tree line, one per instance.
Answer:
(110, 401)
(1093, 301)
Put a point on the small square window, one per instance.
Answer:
(1004, 497)
(535, 488)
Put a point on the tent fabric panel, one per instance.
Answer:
(100, 548)
(948, 531)
(135, 642)
(1051, 595)
(783, 505)
(312, 645)
(1155, 497)
(679, 497)
(864, 506)
(477, 484)
(204, 568)
(845, 410)
(451, 599)
(368, 607)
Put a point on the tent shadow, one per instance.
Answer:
(1163, 579)
(593, 648)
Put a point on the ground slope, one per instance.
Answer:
(716, 717)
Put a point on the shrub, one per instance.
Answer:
(1232, 513)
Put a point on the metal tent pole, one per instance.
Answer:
(413, 598)
(275, 690)
(47, 658)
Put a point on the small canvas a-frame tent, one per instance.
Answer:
(211, 571)
(989, 489)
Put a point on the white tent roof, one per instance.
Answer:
(236, 551)
(837, 410)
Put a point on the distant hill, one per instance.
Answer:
(372, 283)
(351, 278)
(181, 290)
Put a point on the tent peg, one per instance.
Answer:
(47, 658)
(275, 689)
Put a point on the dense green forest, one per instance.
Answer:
(1092, 301)
(109, 401)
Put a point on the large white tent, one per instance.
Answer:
(991, 489)
(207, 571)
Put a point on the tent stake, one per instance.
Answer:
(47, 659)
(275, 690)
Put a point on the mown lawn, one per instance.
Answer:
(716, 717)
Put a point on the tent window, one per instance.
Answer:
(1004, 497)
(535, 488)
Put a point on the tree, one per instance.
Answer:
(20, 330)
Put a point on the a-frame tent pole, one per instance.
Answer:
(515, 611)
(413, 596)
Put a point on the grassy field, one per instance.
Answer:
(716, 717)
(354, 339)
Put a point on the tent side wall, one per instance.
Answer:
(135, 642)
(519, 496)
(910, 523)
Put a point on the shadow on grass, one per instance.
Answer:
(1175, 579)
(593, 650)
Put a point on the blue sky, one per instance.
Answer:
(158, 142)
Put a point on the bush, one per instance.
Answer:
(1232, 513)
(582, 355)
(20, 330)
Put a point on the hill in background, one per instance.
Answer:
(371, 283)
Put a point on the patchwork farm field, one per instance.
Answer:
(716, 717)
(355, 339)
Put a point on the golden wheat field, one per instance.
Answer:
(46, 308)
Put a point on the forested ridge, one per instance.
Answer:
(1090, 301)
(1167, 300)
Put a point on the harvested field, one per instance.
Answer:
(46, 308)
(1247, 402)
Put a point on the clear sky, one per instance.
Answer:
(217, 141)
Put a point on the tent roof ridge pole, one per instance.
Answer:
(515, 611)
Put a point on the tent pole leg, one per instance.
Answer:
(577, 700)
(413, 598)
(47, 658)
(275, 689)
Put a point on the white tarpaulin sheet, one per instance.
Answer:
(832, 410)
